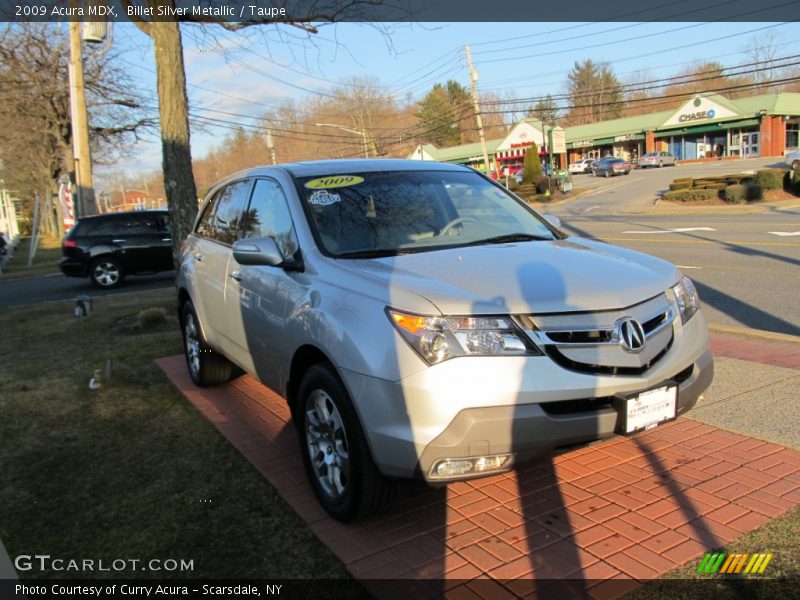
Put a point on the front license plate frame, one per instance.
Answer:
(649, 409)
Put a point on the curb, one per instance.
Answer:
(758, 333)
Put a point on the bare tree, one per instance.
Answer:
(173, 100)
(36, 139)
(763, 49)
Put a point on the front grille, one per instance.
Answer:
(589, 342)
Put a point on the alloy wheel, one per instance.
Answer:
(106, 273)
(192, 344)
(327, 444)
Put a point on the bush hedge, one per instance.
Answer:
(743, 193)
(543, 185)
(769, 179)
(691, 195)
(712, 186)
(681, 184)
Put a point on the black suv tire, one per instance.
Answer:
(338, 442)
(106, 272)
(206, 367)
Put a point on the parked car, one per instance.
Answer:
(793, 159)
(609, 166)
(656, 159)
(423, 322)
(581, 166)
(107, 248)
(547, 171)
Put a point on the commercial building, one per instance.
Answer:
(706, 127)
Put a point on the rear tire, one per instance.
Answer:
(336, 455)
(206, 366)
(660, 164)
(106, 272)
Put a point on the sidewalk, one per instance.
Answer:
(629, 508)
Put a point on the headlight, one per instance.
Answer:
(438, 338)
(686, 295)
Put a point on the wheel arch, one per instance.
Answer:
(305, 357)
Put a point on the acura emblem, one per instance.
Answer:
(630, 334)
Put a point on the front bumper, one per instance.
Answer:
(526, 406)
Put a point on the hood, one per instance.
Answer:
(528, 277)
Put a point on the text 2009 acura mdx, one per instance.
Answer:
(421, 321)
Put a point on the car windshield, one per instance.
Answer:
(395, 212)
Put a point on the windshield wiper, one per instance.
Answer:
(510, 237)
(380, 253)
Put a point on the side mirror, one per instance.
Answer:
(553, 220)
(261, 251)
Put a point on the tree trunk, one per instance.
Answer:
(173, 112)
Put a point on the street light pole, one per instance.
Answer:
(360, 132)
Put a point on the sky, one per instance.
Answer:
(269, 65)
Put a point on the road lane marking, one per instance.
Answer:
(784, 233)
(685, 241)
(591, 208)
(677, 230)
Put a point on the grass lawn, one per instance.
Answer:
(45, 262)
(130, 470)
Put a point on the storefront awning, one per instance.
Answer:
(706, 128)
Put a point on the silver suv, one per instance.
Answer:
(421, 321)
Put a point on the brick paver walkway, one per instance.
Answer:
(625, 509)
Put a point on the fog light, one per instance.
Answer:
(490, 463)
(453, 467)
(450, 467)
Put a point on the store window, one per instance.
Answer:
(792, 135)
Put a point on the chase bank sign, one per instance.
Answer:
(701, 108)
(697, 116)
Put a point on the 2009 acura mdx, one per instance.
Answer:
(422, 321)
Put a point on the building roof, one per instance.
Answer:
(785, 103)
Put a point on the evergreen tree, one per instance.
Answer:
(441, 114)
(532, 165)
(595, 93)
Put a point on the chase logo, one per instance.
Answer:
(730, 564)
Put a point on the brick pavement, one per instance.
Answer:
(623, 510)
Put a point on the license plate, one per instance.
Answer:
(650, 408)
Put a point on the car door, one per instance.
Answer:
(259, 297)
(146, 240)
(211, 250)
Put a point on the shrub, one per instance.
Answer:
(691, 195)
(543, 185)
(532, 165)
(151, 317)
(707, 180)
(735, 194)
(792, 181)
(753, 191)
(711, 186)
(681, 184)
(770, 179)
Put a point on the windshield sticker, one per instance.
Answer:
(323, 198)
(335, 181)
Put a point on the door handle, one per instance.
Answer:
(235, 275)
(166, 239)
(198, 257)
(118, 241)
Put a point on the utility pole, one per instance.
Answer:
(80, 125)
(473, 76)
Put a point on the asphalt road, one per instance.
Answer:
(745, 270)
(57, 287)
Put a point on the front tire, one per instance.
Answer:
(336, 456)
(660, 164)
(106, 272)
(206, 366)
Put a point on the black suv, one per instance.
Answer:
(109, 247)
